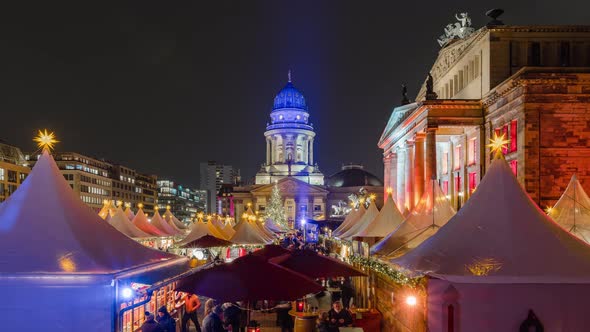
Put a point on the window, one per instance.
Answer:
(514, 167)
(261, 208)
(460, 80)
(445, 187)
(476, 67)
(472, 181)
(506, 136)
(445, 163)
(11, 176)
(457, 158)
(513, 135)
(471, 151)
(317, 208)
(534, 54)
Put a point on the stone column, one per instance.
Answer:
(392, 176)
(311, 151)
(430, 162)
(418, 167)
(409, 170)
(400, 190)
(268, 161)
(387, 170)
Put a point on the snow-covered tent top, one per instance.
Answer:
(129, 214)
(120, 221)
(432, 212)
(46, 228)
(170, 218)
(501, 236)
(247, 233)
(352, 217)
(161, 224)
(388, 219)
(367, 217)
(198, 230)
(572, 211)
(142, 223)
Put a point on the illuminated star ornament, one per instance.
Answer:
(45, 140)
(497, 144)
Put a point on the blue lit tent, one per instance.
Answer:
(62, 268)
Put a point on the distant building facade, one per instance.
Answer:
(212, 177)
(13, 169)
(184, 202)
(528, 83)
(353, 180)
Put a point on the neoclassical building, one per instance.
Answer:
(528, 83)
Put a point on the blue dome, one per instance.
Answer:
(289, 97)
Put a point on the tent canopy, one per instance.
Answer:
(501, 236)
(141, 221)
(388, 219)
(432, 212)
(351, 218)
(46, 228)
(247, 233)
(366, 219)
(162, 225)
(572, 211)
(120, 221)
(198, 230)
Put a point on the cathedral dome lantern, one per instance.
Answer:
(289, 97)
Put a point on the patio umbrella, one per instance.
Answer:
(249, 278)
(314, 265)
(207, 241)
(271, 250)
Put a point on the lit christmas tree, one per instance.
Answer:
(275, 210)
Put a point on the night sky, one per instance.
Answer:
(161, 86)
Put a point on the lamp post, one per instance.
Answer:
(303, 221)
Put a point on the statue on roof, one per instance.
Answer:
(405, 99)
(456, 30)
(430, 94)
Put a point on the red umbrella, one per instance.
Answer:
(249, 278)
(271, 250)
(207, 241)
(314, 265)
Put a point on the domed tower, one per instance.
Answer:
(289, 140)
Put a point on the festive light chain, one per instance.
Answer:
(386, 270)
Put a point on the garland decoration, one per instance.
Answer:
(386, 270)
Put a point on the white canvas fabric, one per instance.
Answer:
(120, 221)
(198, 230)
(161, 224)
(352, 217)
(171, 219)
(215, 231)
(432, 212)
(228, 229)
(142, 222)
(274, 227)
(501, 236)
(388, 219)
(246, 233)
(130, 215)
(572, 211)
(367, 218)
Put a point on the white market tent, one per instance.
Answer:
(572, 211)
(171, 219)
(273, 226)
(142, 222)
(215, 231)
(352, 217)
(198, 230)
(367, 218)
(501, 256)
(228, 229)
(58, 251)
(388, 219)
(162, 225)
(130, 215)
(247, 233)
(432, 212)
(120, 221)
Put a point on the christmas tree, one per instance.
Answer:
(275, 210)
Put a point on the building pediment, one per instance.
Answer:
(290, 186)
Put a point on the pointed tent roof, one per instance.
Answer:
(46, 228)
(215, 231)
(501, 236)
(388, 219)
(352, 217)
(246, 233)
(432, 212)
(129, 214)
(274, 227)
(120, 221)
(104, 211)
(367, 217)
(142, 223)
(162, 225)
(168, 216)
(572, 211)
(228, 229)
(173, 225)
(198, 230)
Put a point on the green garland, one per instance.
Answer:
(385, 270)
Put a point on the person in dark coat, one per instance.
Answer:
(232, 316)
(168, 323)
(285, 320)
(213, 322)
(150, 325)
(338, 317)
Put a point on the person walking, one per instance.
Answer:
(165, 320)
(213, 322)
(150, 325)
(191, 305)
(338, 317)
